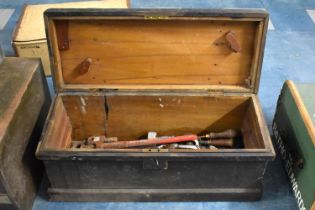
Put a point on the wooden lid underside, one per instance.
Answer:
(95, 50)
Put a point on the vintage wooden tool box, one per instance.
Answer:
(24, 105)
(123, 73)
(294, 131)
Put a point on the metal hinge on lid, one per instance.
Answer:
(155, 17)
(216, 92)
(212, 92)
(111, 90)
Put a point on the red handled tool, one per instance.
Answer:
(147, 142)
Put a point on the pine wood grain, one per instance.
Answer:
(130, 117)
(137, 52)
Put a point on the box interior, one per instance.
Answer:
(138, 52)
(130, 117)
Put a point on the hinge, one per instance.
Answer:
(107, 90)
(217, 92)
(95, 91)
(99, 90)
(155, 17)
(154, 150)
(212, 92)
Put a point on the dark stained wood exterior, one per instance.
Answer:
(23, 108)
(127, 72)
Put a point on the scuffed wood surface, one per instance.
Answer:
(24, 103)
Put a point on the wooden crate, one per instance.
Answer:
(294, 132)
(127, 72)
(29, 38)
(24, 106)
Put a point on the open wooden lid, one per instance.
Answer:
(212, 50)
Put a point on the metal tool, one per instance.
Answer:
(189, 145)
(212, 140)
(152, 135)
(184, 146)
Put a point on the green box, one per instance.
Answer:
(294, 132)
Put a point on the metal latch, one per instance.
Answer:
(155, 164)
(156, 17)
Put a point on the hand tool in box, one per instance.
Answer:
(215, 139)
(147, 142)
(218, 142)
(228, 134)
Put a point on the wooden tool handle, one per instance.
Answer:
(228, 134)
(219, 142)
